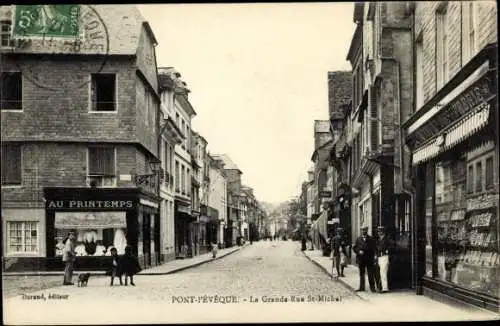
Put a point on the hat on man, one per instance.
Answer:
(364, 228)
(381, 228)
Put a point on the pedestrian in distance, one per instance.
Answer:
(69, 257)
(115, 270)
(339, 251)
(365, 258)
(129, 266)
(215, 249)
(383, 250)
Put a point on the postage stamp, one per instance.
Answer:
(58, 31)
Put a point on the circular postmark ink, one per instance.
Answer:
(75, 36)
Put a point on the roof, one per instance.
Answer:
(228, 163)
(122, 23)
(321, 126)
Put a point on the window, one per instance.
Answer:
(188, 182)
(177, 120)
(469, 37)
(103, 92)
(489, 174)
(188, 138)
(470, 179)
(479, 177)
(183, 180)
(11, 91)
(22, 237)
(11, 164)
(177, 177)
(166, 161)
(101, 166)
(5, 30)
(441, 49)
(419, 63)
(183, 128)
(147, 106)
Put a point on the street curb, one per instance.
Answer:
(95, 273)
(338, 279)
(195, 264)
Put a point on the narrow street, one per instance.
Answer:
(263, 282)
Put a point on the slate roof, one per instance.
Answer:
(228, 163)
(123, 24)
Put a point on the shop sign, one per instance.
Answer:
(90, 220)
(184, 209)
(470, 99)
(458, 215)
(86, 204)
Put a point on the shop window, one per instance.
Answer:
(11, 91)
(479, 177)
(91, 241)
(101, 166)
(103, 92)
(11, 164)
(22, 237)
(489, 174)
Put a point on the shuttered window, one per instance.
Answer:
(374, 121)
(11, 164)
(101, 161)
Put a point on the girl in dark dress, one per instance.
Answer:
(129, 265)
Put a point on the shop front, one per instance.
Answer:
(102, 218)
(184, 229)
(454, 143)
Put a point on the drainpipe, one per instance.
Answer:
(410, 192)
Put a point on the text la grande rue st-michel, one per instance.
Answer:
(255, 299)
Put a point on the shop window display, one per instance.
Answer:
(93, 242)
(429, 195)
(467, 248)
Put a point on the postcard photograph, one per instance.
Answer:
(249, 162)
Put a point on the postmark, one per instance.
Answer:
(60, 33)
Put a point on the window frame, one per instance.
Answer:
(21, 160)
(91, 103)
(441, 64)
(469, 22)
(8, 252)
(114, 176)
(10, 40)
(22, 92)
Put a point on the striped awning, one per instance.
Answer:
(466, 127)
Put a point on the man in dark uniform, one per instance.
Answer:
(383, 249)
(365, 256)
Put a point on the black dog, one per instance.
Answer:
(83, 279)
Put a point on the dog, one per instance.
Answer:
(83, 279)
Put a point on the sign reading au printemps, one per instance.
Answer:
(86, 204)
(46, 21)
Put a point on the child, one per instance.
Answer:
(114, 266)
(214, 250)
(129, 265)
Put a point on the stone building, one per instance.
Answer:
(182, 112)
(171, 136)
(233, 177)
(217, 197)
(452, 135)
(80, 150)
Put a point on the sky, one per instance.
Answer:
(258, 80)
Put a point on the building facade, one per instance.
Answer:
(233, 177)
(183, 112)
(452, 136)
(80, 142)
(170, 136)
(381, 60)
(217, 197)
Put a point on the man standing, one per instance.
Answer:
(382, 253)
(69, 257)
(365, 256)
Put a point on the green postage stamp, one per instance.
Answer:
(46, 21)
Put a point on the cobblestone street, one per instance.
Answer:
(246, 286)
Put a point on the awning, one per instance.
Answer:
(454, 135)
(90, 220)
